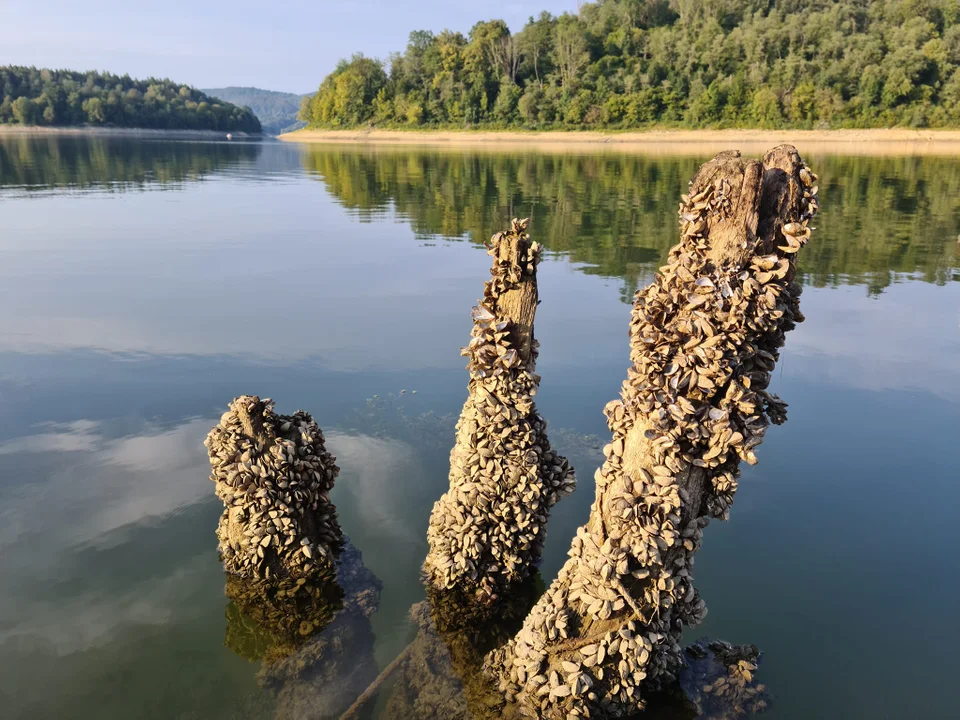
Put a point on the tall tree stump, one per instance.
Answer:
(704, 338)
(274, 475)
(487, 531)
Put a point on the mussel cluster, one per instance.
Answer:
(487, 531)
(704, 338)
(274, 476)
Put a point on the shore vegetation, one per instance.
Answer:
(810, 64)
(32, 96)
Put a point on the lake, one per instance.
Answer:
(145, 284)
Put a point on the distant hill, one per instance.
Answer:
(277, 111)
(38, 96)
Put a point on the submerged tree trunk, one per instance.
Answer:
(704, 338)
(274, 475)
(487, 531)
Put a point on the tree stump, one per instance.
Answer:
(487, 531)
(274, 476)
(704, 338)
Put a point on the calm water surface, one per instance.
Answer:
(145, 284)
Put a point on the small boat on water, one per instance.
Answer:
(229, 136)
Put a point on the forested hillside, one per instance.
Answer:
(684, 63)
(277, 111)
(32, 96)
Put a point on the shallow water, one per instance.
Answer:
(146, 283)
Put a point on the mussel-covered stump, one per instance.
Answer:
(487, 530)
(274, 475)
(704, 338)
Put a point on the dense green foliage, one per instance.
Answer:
(31, 96)
(694, 63)
(616, 214)
(276, 111)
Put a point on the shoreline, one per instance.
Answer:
(124, 132)
(895, 141)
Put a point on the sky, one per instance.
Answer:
(286, 45)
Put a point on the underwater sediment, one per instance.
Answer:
(704, 337)
(274, 475)
(486, 532)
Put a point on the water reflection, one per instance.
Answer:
(87, 497)
(106, 533)
(312, 637)
(131, 318)
(441, 674)
(882, 217)
(114, 164)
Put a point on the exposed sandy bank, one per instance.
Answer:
(662, 142)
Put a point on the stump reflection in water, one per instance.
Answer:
(313, 637)
(441, 674)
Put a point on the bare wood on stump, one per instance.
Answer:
(704, 338)
(517, 303)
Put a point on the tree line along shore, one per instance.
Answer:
(621, 64)
(62, 98)
(614, 65)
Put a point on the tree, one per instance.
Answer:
(765, 108)
(499, 49)
(24, 111)
(529, 104)
(536, 42)
(346, 96)
(802, 103)
(571, 50)
(93, 108)
(505, 108)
